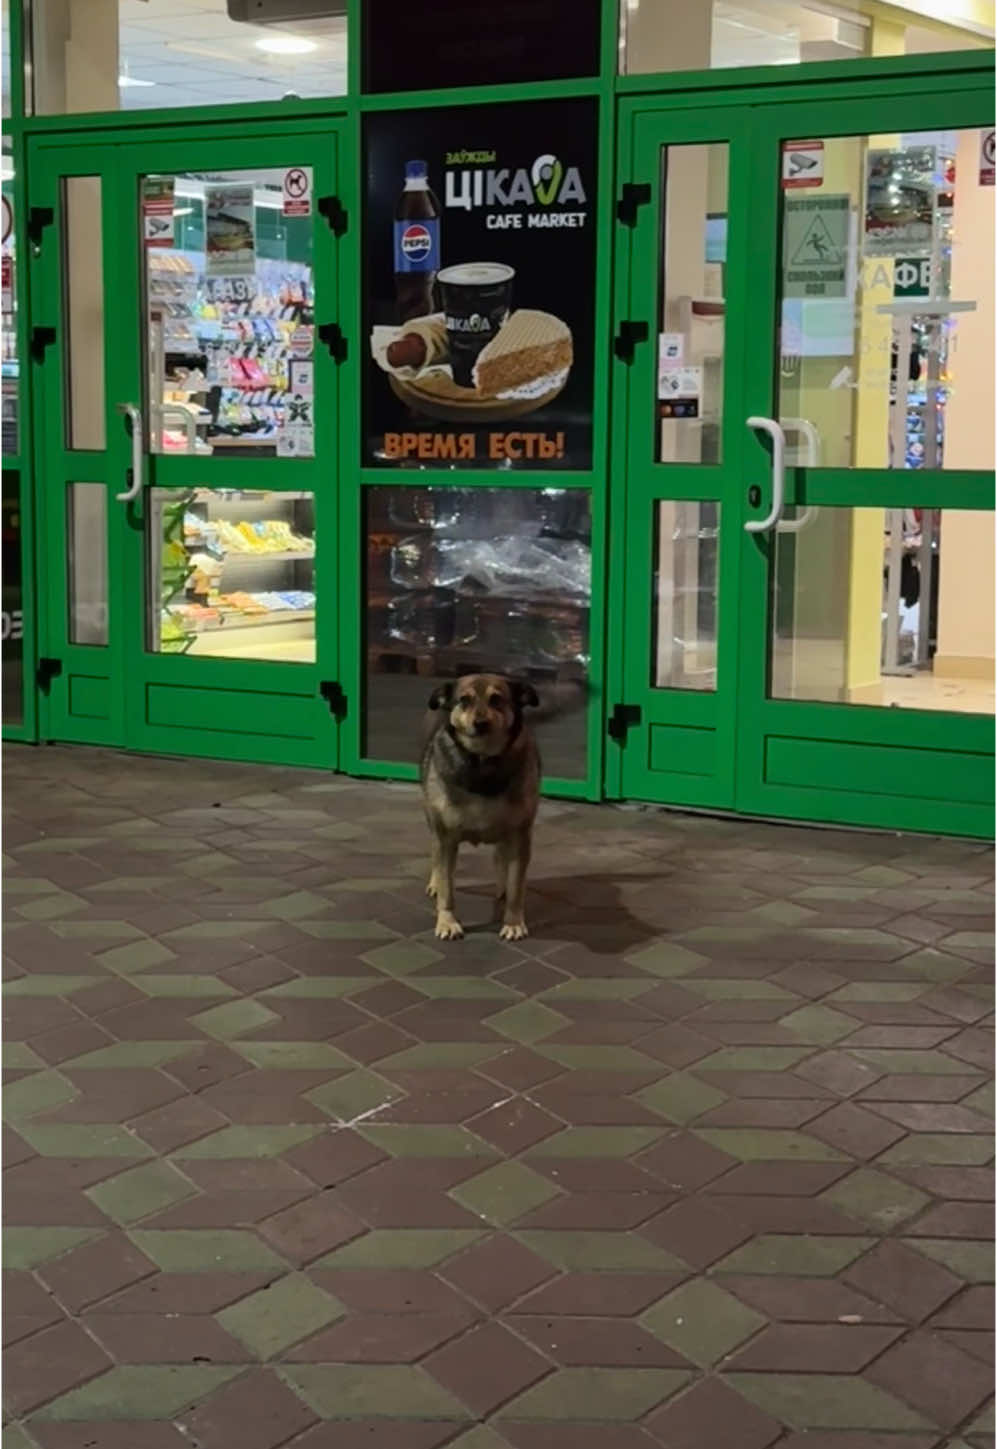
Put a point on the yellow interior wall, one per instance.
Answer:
(863, 647)
(966, 577)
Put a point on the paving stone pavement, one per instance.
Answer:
(704, 1163)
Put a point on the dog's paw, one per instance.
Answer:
(513, 931)
(448, 928)
(432, 889)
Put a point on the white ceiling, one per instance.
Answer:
(196, 56)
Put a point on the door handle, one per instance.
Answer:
(775, 432)
(129, 410)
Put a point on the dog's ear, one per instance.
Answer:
(524, 695)
(442, 696)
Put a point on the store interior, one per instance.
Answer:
(889, 365)
(230, 309)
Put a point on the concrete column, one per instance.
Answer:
(75, 56)
(663, 35)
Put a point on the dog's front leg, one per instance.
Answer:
(448, 928)
(517, 854)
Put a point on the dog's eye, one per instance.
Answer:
(496, 701)
(465, 701)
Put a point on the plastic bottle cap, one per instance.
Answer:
(416, 170)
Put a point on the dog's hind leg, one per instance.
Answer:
(448, 928)
(516, 851)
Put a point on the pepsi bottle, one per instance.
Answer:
(417, 243)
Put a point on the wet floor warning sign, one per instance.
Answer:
(815, 246)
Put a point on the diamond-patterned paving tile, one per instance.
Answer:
(140, 1192)
(710, 1413)
(183, 1250)
(701, 1321)
(360, 1391)
(605, 1394)
(146, 1391)
(486, 1367)
(812, 1401)
(806, 1256)
(285, 1312)
(875, 1198)
(504, 1193)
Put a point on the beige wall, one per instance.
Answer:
(966, 582)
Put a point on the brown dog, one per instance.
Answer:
(480, 777)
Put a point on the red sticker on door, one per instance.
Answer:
(802, 164)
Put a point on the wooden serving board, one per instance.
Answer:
(439, 396)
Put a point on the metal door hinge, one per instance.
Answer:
(48, 669)
(331, 334)
(332, 692)
(626, 339)
(39, 217)
(41, 338)
(334, 212)
(623, 716)
(633, 195)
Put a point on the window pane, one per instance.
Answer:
(887, 316)
(471, 580)
(13, 601)
(86, 511)
(229, 292)
(691, 335)
(106, 55)
(83, 351)
(232, 574)
(670, 35)
(884, 607)
(685, 596)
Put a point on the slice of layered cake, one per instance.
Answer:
(531, 345)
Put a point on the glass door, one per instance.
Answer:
(680, 419)
(214, 519)
(866, 643)
(804, 572)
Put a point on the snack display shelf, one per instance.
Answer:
(288, 556)
(235, 620)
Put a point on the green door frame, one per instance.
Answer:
(735, 748)
(124, 694)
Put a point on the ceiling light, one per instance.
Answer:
(285, 44)
(131, 80)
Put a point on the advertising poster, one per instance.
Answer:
(480, 259)
(157, 211)
(229, 230)
(901, 196)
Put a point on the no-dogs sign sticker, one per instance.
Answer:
(297, 191)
